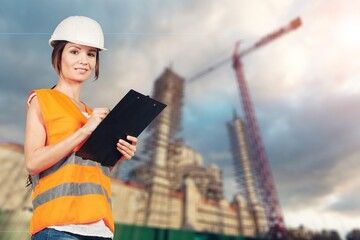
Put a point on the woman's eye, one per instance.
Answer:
(91, 54)
(74, 52)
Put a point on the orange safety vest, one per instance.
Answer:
(74, 190)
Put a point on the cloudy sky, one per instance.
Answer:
(305, 85)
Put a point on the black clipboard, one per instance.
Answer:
(130, 116)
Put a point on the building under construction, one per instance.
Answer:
(174, 176)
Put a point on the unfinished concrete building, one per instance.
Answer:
(244, 173)
(196, 197)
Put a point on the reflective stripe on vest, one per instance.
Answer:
(70, 189)
(71, 159)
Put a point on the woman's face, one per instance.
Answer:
(77, 62)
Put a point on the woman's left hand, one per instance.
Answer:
(127, 149)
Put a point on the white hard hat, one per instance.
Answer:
(80, 30)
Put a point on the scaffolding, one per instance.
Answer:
(244, 171)
(164, 130)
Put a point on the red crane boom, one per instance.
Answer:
(262, 42)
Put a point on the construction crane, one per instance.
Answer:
(267, 191)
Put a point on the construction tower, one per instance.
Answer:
(168, 88)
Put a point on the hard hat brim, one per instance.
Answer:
(53, 40)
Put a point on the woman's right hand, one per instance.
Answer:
(95, 119)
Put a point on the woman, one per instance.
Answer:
(71, 196)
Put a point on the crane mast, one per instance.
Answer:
(264, 177)
(260, 163)
(262, 170)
